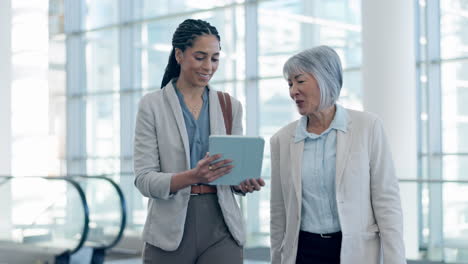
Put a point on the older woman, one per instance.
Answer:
(334, 193)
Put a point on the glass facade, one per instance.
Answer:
(443, 150)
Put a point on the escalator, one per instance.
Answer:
(59, 219)
(107, 214)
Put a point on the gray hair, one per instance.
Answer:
(324, 64)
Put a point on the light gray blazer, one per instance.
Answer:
(367, 194)
(162, 149)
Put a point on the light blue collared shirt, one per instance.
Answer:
(198, 130)
(319, 209)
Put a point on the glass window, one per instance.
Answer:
(100, 13)
(443, 145)
(103, 133)
(155, 46)
(155, 8)
(57, 104)
(56, 17)
(29, 89)
(299, 25)
(453, 28)
(454, 107)
(455, 218)
(351, 92)
(102, 61)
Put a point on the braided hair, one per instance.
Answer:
(184, 37)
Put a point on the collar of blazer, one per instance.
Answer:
(216, 117)
(343, 147)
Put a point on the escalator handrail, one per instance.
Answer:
(432, 181)
(82, 194)
(84, 203)
(123, 208)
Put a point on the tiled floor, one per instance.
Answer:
(253, 255)
(138, 261)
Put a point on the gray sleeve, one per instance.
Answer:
(149, 179)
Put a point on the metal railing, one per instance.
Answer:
(55, 209)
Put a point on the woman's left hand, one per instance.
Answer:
(250, 185)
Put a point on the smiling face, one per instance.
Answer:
(304, 90)
(199, 62)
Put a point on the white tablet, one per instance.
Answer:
(246, 153)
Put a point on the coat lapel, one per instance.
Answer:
(343, 147)
(173, 100)
(296, 150)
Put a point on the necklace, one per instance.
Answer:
(194, 109)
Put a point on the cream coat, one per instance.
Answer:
(162, 149)
(367, 194)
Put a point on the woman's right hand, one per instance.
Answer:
(206, 173)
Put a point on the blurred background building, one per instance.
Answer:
(72, 73)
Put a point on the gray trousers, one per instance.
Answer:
(206, 239)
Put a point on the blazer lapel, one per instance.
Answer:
(173, 100)
(343, 147)
(296, 150)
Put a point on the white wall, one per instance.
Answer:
(5, 113)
